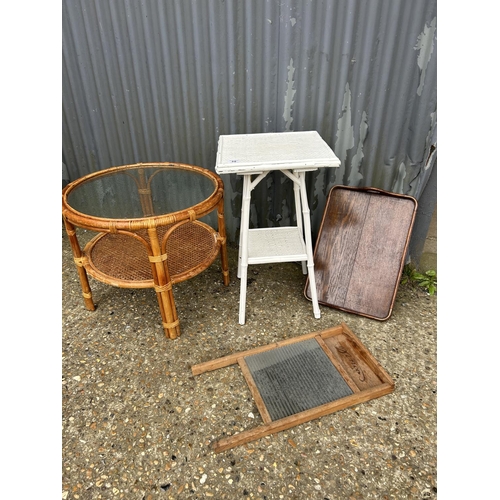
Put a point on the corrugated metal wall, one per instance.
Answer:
(160, 80)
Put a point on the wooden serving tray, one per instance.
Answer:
(360, 250)
(303, 378)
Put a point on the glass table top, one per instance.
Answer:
(138, 192)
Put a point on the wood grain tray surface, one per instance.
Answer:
(360, 251)
(303, 378)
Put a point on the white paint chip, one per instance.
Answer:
(425, 46)
(289, 98)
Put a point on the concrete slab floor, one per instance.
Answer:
(137, 425)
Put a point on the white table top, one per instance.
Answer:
(247, 153)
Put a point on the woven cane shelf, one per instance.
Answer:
(146, 215)
(269, 244)
(122, 260)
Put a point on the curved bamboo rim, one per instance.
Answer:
(102, 224)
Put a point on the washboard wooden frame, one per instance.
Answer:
(359, 369)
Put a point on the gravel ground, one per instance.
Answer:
(137, 425)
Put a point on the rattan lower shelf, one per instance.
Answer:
(122, 259)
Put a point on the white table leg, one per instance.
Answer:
(298, 215)
(238, 272)
(308, 238)
(243, 250)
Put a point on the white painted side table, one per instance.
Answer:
(294, 154)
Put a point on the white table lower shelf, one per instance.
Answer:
(277, 244)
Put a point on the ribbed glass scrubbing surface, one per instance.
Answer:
(295, 378)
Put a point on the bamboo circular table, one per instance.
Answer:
(149, 233)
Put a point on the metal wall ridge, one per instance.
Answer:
(152, 80)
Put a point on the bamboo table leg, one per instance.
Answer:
(144, 190)
(163, 287)
(223, 237)
(79, 259)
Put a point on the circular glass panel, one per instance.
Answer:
(147, 191)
